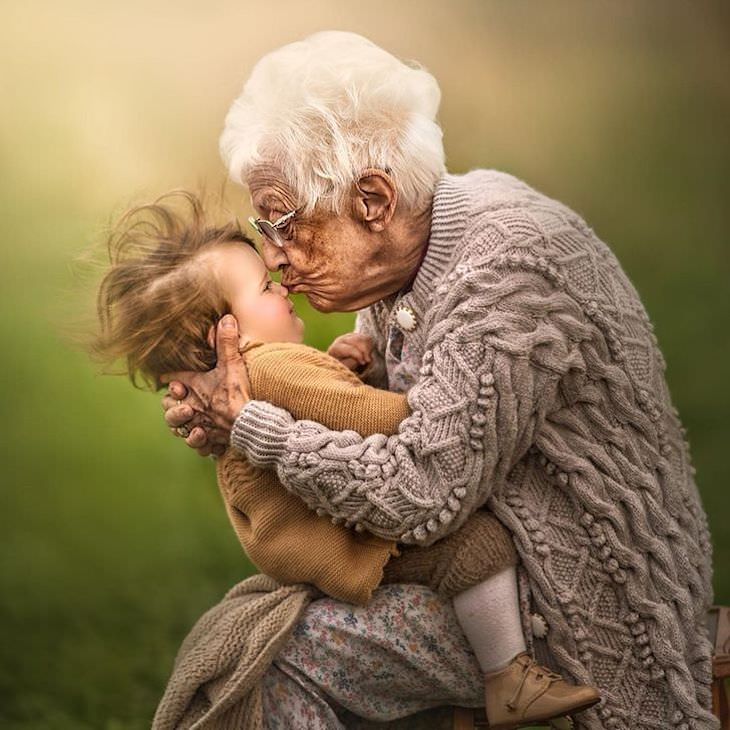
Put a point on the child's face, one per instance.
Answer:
(260, 305)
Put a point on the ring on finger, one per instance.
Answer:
(183, 431)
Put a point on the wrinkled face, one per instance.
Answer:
(334, 260)
(261, 306)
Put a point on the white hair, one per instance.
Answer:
(325, 109)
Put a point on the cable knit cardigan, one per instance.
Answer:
(537, 387)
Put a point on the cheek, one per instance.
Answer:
(273, 309)
(314, 254)
(260, 313)
(305, 259)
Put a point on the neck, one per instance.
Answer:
(414, 233)
(394, 267)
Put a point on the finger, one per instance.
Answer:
(350, 363)
(237, 382)
(365, 343)
(184, 378)
(197, 438)
(178, 415)
(200, 420)
(204, 450)
(340, 350)
(219, 450)
(350, 351)
(219, 437)
(364, 350)
(177, 432)
(177, 390)
(170, 401)
(226, 339)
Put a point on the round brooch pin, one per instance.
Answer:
(405, 317)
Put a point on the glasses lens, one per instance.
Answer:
(270, 232)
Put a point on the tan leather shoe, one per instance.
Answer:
(524, 692)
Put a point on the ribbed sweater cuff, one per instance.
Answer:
(261, 431)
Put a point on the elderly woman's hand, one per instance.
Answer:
(201, 407)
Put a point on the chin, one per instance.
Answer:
(326, 306)
(321, 305)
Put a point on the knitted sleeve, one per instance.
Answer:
(498, 344)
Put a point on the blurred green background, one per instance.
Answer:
(114, 539)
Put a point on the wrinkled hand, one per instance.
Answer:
(201, 407)
(353, 350)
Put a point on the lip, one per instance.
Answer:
(292, 285)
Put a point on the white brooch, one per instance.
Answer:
(405, 318)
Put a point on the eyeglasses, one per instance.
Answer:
(272, 231)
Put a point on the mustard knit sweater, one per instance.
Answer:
(280, 534)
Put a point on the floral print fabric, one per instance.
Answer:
(402, 653)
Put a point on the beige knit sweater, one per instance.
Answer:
(538, 388)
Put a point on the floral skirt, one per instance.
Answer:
(402, 654)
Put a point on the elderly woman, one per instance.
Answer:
(536, 386)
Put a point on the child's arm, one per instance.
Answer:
(314, 386)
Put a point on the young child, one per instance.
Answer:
(172, 277)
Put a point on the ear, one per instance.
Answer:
(376, 198)
(210, 339)
(243, 340)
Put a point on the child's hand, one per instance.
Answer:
(353, 350)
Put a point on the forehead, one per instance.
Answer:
(234, 262)
(269, 189)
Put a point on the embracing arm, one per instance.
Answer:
(490, 373)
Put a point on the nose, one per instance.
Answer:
(274, 257)
(283, 291)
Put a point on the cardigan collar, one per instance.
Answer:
(448, 223)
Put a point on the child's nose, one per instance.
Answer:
(284, 291)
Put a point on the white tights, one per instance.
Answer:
(489, 614)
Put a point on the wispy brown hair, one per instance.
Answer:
(157, 301)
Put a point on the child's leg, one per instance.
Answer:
(489, 614)
(481, 548)
(475, 568)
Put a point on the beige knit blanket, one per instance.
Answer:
(215, 682)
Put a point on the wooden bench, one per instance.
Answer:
(718, 621)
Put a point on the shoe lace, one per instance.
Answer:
(540, 672)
